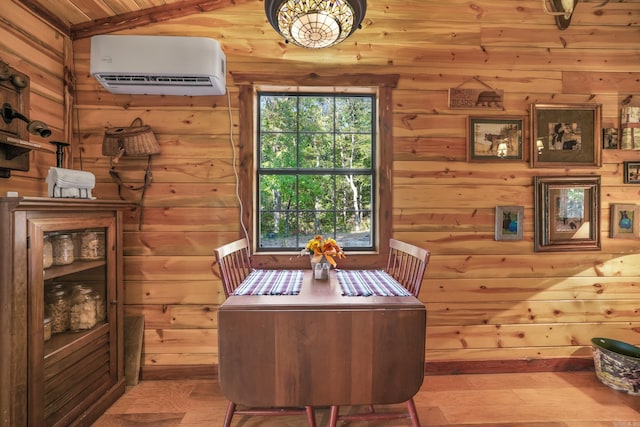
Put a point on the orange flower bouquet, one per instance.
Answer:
(318, 247)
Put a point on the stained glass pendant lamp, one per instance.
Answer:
(315, 23)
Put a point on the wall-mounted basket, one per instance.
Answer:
(136, 140)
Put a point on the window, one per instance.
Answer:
(380, 85)
(316, 169)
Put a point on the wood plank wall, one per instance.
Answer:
(487, 300)
(31, 46)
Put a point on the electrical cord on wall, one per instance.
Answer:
(233, 163)
(75, 113)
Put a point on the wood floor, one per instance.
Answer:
(549, 399)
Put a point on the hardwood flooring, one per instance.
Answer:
(547, 399)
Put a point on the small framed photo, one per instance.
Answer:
(632, 172)
(610, 138)
(566, 135)
(509, 222)
(624, 221)
(494, 138)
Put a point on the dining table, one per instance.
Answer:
(288, 339)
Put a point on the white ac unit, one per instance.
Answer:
(158, 65)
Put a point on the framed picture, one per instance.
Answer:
(610, 138)
(509, 222)
(567, 213)
(566, 135)
(632, 172)
(624, 221)
(494, 138)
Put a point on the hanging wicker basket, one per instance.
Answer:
(136, 140)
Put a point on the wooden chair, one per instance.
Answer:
(234, 264)
(407, 264)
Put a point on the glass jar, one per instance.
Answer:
(47, 328)
(101, 244)
(101, 311)
(57, 305)
(47, 253)
(90, 246)
(62, 249)
(82, 314)
(77, 243)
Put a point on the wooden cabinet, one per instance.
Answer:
(72, 377)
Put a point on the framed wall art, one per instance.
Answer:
(509, 222)
(567, 213)
(610, 139)
(624, 221)
(461, 98)
(632, 172)
(494, 138)
(566, 135)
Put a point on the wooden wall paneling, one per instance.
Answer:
(33, 47)
(611, 82)
(189, 219)
(576, 37)
(192, 316)
(175, 268)
(489, 289)
(161, 292)
(205, 147)
(454, 196)
(177, 170)
(180, 341)
(587, 264)
(491, 300)
(532, 312)
(525, 335)
(176, 243)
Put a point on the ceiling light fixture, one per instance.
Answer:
(315, 24)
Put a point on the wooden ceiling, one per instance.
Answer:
(86, 18)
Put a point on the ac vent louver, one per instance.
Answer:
(156, 80)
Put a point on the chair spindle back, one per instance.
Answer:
(234, 263)
(407, 264)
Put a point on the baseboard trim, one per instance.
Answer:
(175, 372)
(508, 366)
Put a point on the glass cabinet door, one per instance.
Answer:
(72, 313)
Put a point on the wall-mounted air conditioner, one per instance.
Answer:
(158, 65)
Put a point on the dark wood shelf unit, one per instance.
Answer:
(72, 378)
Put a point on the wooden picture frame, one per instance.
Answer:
(509, 222)
(632, 172)
(497, 138)
(624, 221)
(567, 213)
(566, 135)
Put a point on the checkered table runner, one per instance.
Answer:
(271, 282)
(369, 283)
